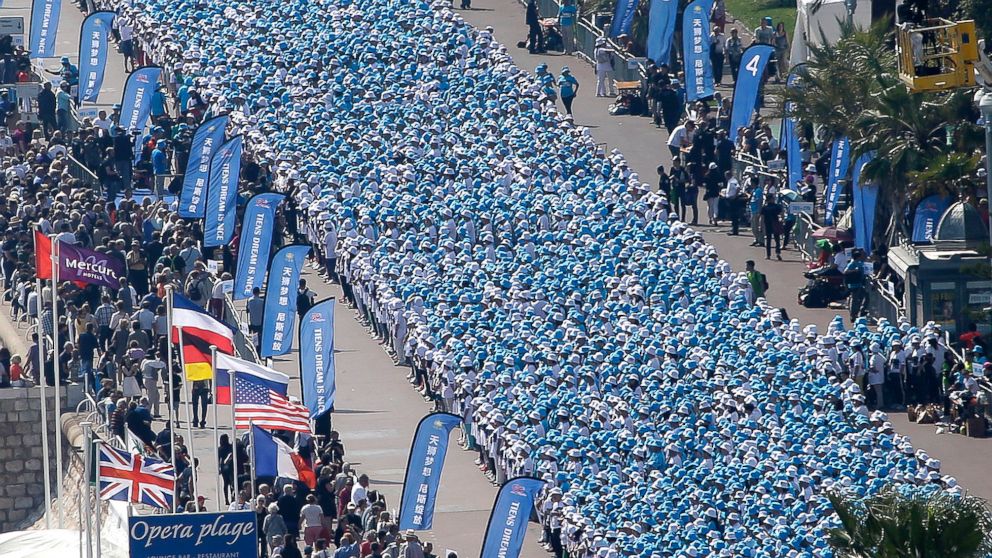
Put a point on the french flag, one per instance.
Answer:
(276, 381)
(274, 458)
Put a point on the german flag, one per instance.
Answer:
(199, 331)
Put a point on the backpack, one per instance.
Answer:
(764, 282)
(193, 291)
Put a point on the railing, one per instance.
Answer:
(242, 341)
(803, 235)
(586, 34)
(80, 171)
(161, 183)
(883, 302)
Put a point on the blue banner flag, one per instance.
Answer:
(93, 54)
(208, 137)
(928, 214)
(423, 470)
(789, 139)
(44, 25)
(840, 159)
(255, 243)
(317, 358)
(865, 199)
(508, 522)
(661, 30)
(749, 78)
(280, 300)
(137, 101)
(623, 17)
(197, 534)
(696, 50)
(222, 193)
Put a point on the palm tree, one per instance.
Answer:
(901, 523)
(840, 80)
(907, 134)
(852, 89)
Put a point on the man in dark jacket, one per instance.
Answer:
(46, 109)
(289, 509)
(123, 156)
(671, 107)
(534, 38)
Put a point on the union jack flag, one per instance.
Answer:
(135, 478)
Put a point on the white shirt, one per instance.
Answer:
(359, 494)
(876, 371)
(680, 137)
(733, 188)
(971, 384)
(331, 244)
(103, 123)
(126, 31)
(311, 515)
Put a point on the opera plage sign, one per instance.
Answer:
(193, 535)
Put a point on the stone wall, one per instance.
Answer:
(21, 456)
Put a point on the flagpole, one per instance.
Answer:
(251, 453)
(189, 420)
(213, 366)
(58, 382)
(96, 496)
(172, 387)
(87, 471)
(234, 430)
(42, 357)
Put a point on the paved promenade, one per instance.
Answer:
(377, 410)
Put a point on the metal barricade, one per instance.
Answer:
(162, 182)
(80, 171)
(586, 34)
(803, 235)
(243, 343)
(883, 302)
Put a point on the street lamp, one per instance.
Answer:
(984, 99)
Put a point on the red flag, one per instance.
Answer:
(304, 471)
(42, 255)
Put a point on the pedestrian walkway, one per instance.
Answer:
(377, 412)
(645, 147)
(67, 44)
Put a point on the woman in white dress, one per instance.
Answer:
(129, 384)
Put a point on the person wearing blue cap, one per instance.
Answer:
(63, 107)
(115, 113)
(568, 87)
(158, 104)
(67, 71)
(160, 159)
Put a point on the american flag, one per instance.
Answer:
(135, 478)
(257, 403)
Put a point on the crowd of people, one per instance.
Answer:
(540, 289)
(536, 286)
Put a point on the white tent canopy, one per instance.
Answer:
(46, 543)
(823, 25)
(66, 543)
